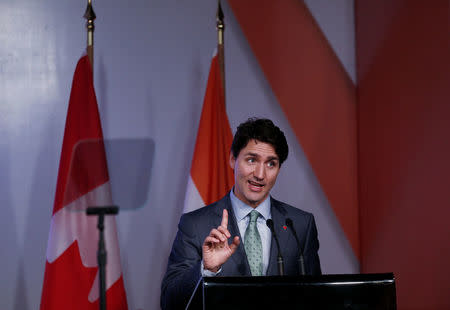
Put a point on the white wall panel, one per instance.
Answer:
(151, 64)
(336, 19)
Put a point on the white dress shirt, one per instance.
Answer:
(242, 214)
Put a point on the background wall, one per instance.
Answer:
(403, 50)
(151, 63)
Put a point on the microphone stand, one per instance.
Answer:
(101, 251)
(301, 260)
(280, 261)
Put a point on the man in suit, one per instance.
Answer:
(208, 241)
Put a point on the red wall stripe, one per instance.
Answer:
(315, 93)
(403, 57)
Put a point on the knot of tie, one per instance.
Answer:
(254, 216)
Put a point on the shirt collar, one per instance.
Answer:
(242, 209)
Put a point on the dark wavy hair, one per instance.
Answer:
(260, 129)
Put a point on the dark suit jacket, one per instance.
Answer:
(183, 269)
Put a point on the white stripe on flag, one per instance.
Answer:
(192, 200)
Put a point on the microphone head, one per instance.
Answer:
(289, 222)
(269, 224)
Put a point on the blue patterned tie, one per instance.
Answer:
(253, 245)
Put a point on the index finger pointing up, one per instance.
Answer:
(224, 218)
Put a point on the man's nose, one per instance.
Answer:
(260, 172)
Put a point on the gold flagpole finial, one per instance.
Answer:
(220, 24)
(89, 14)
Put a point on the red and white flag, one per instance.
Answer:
(211, 176)
(71, 272)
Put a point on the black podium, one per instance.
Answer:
(350, 291)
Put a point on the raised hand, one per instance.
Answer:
(216, 250)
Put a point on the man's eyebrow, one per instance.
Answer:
(257, 155)
(252, 154)
(273, 158)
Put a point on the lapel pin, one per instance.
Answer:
(284, 227)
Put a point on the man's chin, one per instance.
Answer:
(255, 200)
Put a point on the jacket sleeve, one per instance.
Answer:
(183, 268)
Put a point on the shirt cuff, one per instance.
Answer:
(208, 273)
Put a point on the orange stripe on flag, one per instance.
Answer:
(315, 93)
(210, 171)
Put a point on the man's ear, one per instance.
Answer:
(232, 160)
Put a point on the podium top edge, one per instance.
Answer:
(330, 279)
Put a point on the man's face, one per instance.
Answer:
(255, 171)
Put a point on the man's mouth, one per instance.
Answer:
(255, 186)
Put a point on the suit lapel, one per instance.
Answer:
(279, 217)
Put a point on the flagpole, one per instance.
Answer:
(220, 26)
(90, 16)
(100, 212)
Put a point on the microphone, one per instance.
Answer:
(280, 261)
(301, 262)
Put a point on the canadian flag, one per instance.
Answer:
(211, 177)
(71, 272)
